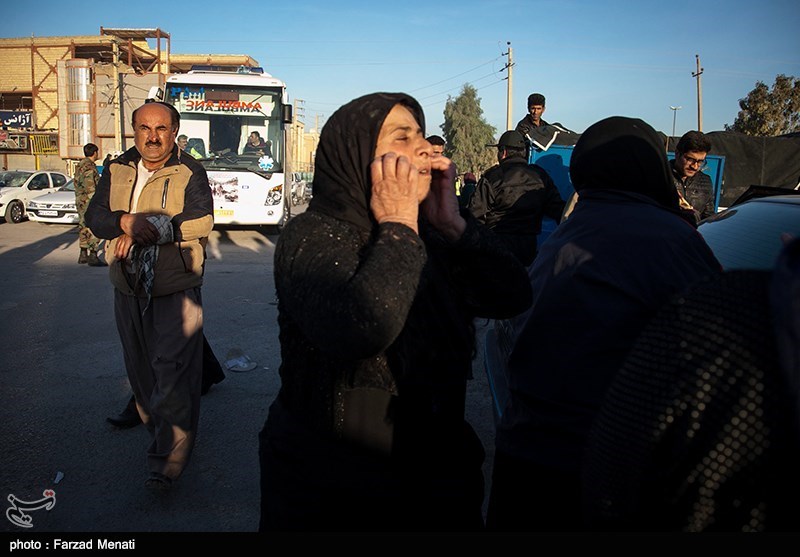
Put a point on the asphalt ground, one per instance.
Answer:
(61, 375)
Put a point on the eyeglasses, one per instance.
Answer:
(699, 163)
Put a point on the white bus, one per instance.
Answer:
(220, 108)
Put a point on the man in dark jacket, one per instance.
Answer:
(541, 134)
(512, 198)
(693, 185)
(154, 205)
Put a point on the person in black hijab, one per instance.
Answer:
(699, 429)
(378, 283)
(596, 282)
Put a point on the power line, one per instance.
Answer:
(476, 88)
(457, 87)
(458, 75)
(312, 102)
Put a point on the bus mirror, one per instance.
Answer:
(156, 94)
(287, 114)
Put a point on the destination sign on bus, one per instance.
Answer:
(237, 107)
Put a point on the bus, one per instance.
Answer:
(221, 107)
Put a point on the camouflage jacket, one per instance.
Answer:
(86, 177)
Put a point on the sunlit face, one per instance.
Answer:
(690, 163)
(402, 135)
(154, 135)
(536, 111)
(182, 142)
(254, 139)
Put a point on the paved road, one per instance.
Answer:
(61, 374)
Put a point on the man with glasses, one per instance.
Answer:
(694, 186)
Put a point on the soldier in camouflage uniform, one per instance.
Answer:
(86, 178)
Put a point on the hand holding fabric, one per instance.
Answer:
(394, 190)
(440, 207)
(123, 247)
(139, 228)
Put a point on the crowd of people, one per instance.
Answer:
(626, 412)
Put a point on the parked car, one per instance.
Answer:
(56, 207)
(747, 235)
(301, 193)
(17, 187)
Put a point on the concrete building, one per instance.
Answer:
(59, 93)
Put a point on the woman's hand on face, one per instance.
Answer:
(440, 207)
(394, 190)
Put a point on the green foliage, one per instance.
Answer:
(766, 112)
(466, 133)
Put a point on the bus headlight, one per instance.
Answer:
(275, 196)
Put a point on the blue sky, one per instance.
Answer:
(591, 59)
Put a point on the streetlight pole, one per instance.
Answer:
(675, 110)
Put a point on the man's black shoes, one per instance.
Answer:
(128, 418)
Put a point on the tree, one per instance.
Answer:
(766, 113)
(466, 133)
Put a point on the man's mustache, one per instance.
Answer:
(156, 143)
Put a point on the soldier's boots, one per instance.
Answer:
(83, 257)
(95, 261)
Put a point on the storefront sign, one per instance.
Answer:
(16, 119)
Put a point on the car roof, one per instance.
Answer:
(793, 199)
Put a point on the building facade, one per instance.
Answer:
(59, 93)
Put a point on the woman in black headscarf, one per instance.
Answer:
(596, 282)
(378, 283)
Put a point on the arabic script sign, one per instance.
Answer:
(16, 119)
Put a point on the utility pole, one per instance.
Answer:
(117, 96)
(299, 109)
(508, 66)
(675, 110)
(297, 125)
(697, 75)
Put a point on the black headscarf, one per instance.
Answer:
(342, 190)
(342, 185)
(624, 154)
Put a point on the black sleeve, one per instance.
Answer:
(103, 222)
(492, 280)
(553, 203)
(481, 200)
(708, 186)
(339, 296)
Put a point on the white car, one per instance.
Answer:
(56, 207)
(18, 187)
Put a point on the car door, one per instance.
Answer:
(40, 184)
(57, 180)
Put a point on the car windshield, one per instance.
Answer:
(13, 179)
(748, 236)
(69, 186)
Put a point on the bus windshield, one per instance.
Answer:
(230, 128)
